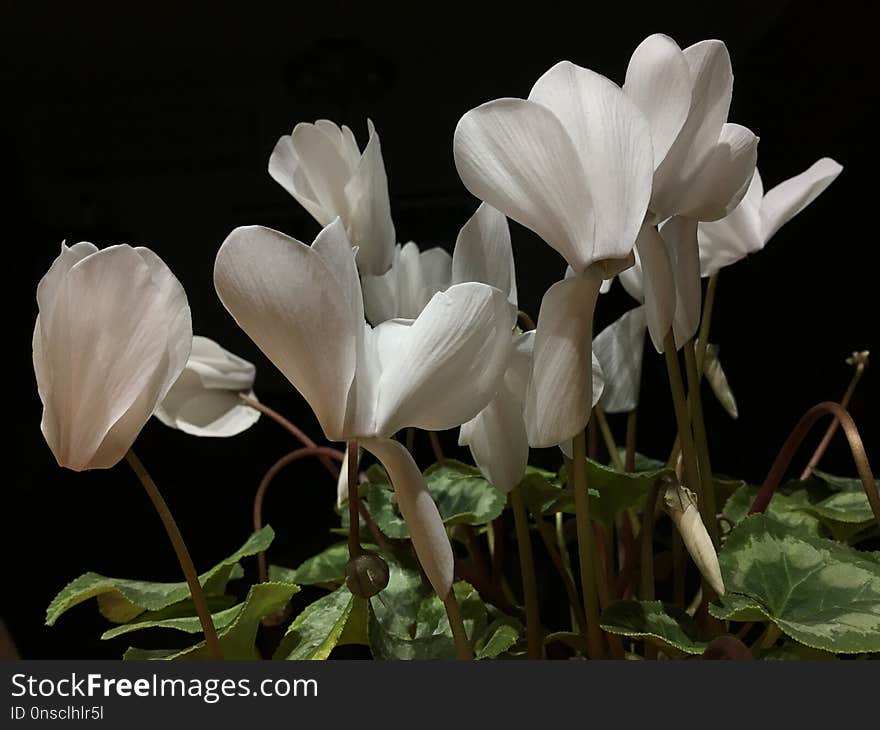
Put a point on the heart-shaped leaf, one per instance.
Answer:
(120, 599)
(822, 594)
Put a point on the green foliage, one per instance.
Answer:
(822, 594)
(461, 493)
(120, 600)
(336, 619)
(408, 621)
(666, 626)
(238, 636)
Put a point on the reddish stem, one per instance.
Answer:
(296, 431)
(796, 437)
(293, 456)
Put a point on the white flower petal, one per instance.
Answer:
(436, 271)
(284, 168)
(789, 198)
(426, 527)
(722, 181)
(283, 295)
(613, 140)
(711, 91)
(515, 155)
(726, 241)
(483, 252)
(323, 166)
(219, 368)
(619, 349)
(658, 80)
(658, 281)
(111, 343)
(566, 446)
(447, 365)
(560, 390)
(498, 441)
(370, 226)
(680, 235)
(497, 434)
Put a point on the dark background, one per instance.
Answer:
(152, 124)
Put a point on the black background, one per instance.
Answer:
(152, 124)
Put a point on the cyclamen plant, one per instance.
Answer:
(646, 182)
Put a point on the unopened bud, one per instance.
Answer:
(718, 381)
(681, 504)
(366, 574)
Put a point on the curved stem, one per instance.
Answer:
(183, 557)
(547, 536)
(794, 440)
(292, 428)
(354, 501)
(832, 428)
(459, 634)
(267, 480)
(527, 566)
(585, 546)
(727, 647)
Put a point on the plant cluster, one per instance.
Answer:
(647, 183)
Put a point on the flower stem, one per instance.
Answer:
(459, 634)
(707, 503)
(292, 428)
(183, 557)
(586, 547)
(437, 447)
(267, 480)
(610, 443)
(527, 566)
(547, 536)
(705, 322)
(794, 440)
(832, 428)
(354, 517)
(631, 426)
(679, 402)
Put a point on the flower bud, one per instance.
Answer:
(681, 504)
(366, 574)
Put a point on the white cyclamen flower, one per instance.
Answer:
(205, 399)
(321, 167)
(303, 306)
(482, 253)
(112, 335)
(749, 226)
(573, 163)
(703, 168)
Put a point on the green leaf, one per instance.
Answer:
(665, 625)
(408, 621)
(612, 491)
(461, 493)
(237, 638)
(822, 594)
(187, 623)
(333, 620)
(787, 509)
(327, 566)
(502, 634)
(542, 493)
(120, 599)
